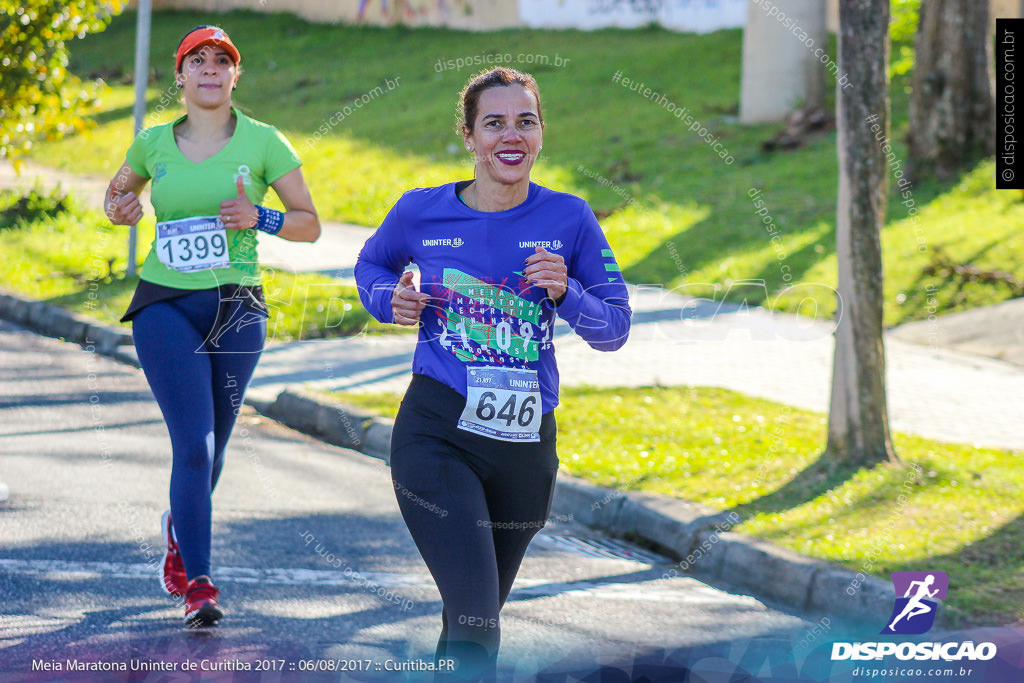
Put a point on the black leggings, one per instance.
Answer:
(472, 505)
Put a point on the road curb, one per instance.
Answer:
(330, 420)
(53, 321)
(698, 537)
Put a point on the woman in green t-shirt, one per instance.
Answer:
(198, 314)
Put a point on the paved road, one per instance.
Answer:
(304, 535)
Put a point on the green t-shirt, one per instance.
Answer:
(184, 189)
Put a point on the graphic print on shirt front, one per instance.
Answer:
(487, 323)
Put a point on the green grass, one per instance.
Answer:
(961, 511)
(691, 222)
(73, 257)
(384, 404)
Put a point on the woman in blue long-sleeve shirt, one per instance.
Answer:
(473, 450)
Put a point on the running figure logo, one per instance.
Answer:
(235, 313)
(914, 613)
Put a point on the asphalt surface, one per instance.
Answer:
(313, 561)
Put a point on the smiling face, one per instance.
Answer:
(507, 135)
(208, 75)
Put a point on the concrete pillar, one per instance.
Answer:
(1006, 9)
(781, 71)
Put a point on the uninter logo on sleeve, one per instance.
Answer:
(449, 242)
(554, 244)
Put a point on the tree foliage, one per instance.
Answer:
(902, 28)
(38, 96)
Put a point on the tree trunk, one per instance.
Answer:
(952, 108)
(858, 430)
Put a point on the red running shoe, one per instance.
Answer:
(201, 604)
(173, 572)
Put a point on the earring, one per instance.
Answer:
(234, 87)
(179, 85)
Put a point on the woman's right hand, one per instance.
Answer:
(406, 303)
(123, 208)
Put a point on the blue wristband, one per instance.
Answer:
(270, 221)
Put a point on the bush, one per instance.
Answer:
(32, 206)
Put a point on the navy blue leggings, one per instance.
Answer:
(472, 505)
(198, 375)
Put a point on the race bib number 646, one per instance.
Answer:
(502, 403)
(190, 244)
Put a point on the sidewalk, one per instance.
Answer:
(934, 392)
(994, 331)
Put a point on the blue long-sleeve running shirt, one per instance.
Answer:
(483, 312)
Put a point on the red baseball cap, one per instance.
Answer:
(206, 35)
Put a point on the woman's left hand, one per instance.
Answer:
(547, 270)
(239, 213)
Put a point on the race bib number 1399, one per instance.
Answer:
(198, 243)
(502, 403)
